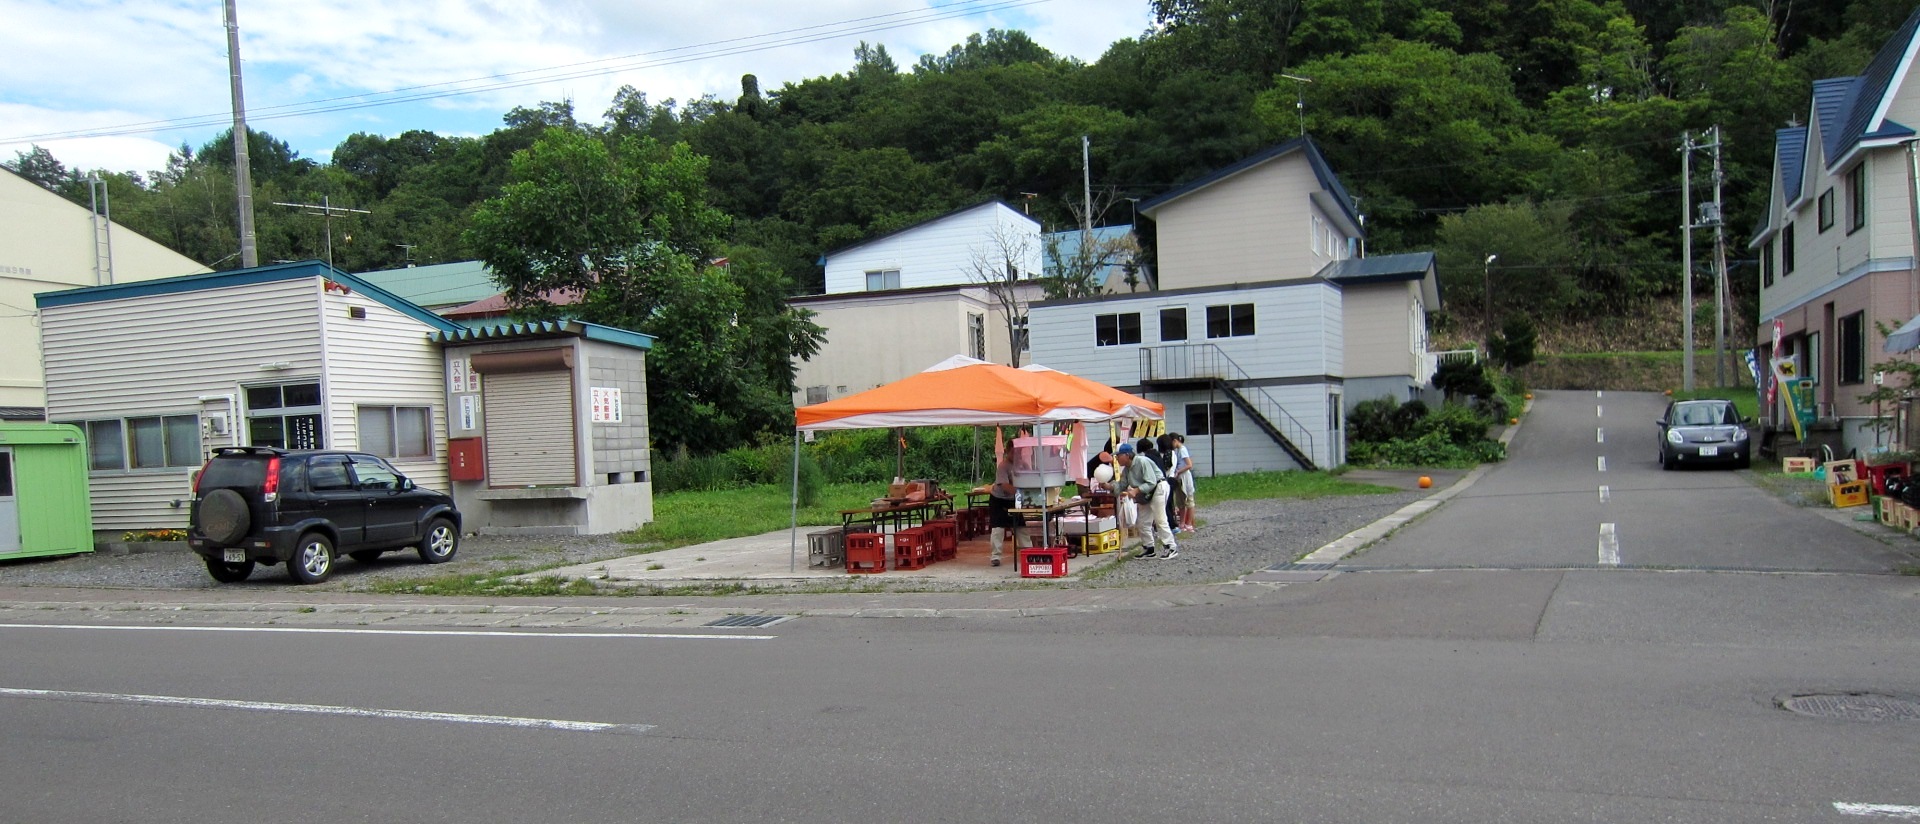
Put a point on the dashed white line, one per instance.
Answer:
(1599, 393)
(1605, 495)
(1603, 463)
(321, 709)
(591, 636)
(1599, 411)
(1878, 810)
(1600, 435)
(1609, 546)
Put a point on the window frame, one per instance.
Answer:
(1230, 322)
(1825, 209)
(391, 450)
(1851, 355)
(1118, 327)
(977, 335)
(118, 436)
(1787, 250)
(1207, 419)
(1181, 313)
(1857, 197)
(889, 279)
(287, 416)
(1766, 263)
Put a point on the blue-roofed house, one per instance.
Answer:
(1837, 245)
(532, 427)
(1266, 325)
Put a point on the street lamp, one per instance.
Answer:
(1486, 299)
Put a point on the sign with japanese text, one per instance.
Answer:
(606, 404)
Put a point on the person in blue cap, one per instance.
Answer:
(1143, 482)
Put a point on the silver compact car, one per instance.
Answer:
(1704, 432)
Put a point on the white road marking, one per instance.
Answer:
(472, 632)
(1603, 463)
(1600, 435)
(1605, 495)
(1609, 546)
(1878, 810)
(1599, 411)
(1598, 393)
(321, 709)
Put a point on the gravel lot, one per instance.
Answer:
(1235, 538)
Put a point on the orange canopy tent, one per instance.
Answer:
(966, 391)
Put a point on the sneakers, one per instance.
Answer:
(1172, 553)
(994, 562)
(1146, 553)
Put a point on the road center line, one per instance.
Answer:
(1605, 495)
(1603, 463)
(1878, 810)
(1599, 411)
(1609, 546)
(1600, 435)
(321, 709)
(469, 632)
(1599, 393)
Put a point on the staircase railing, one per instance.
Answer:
(1205, 361)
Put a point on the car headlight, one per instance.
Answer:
(1673, 437)
(1740, 434)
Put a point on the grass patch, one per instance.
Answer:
(1258, 486)
(487, 583)
(697, 517)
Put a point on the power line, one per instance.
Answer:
(553, 74)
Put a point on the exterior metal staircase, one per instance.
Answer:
(1203, 365)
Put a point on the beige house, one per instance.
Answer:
(1838, 243)
(48, 243)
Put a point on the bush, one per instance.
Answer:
(1455, 424)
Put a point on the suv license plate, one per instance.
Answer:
(236, 556)
(1709, 451)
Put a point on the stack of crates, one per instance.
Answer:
(1099, 542)
(912, 548)
(866, 553)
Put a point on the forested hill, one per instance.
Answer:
(1546, 130)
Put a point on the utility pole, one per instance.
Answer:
(1720, 313)
(1686, 260)
(242, 170)
(327, 210)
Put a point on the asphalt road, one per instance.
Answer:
(1481, 665)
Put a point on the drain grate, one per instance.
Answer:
(748, 621)
(1854, 706)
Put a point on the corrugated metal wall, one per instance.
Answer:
(530, 437)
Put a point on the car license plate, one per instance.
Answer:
(236, 556)
(1709, 451)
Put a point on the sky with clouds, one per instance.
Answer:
(117, 85)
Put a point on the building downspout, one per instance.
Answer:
(1913, 219)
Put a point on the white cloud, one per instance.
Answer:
(97, 63)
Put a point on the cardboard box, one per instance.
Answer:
(1792, 465)
(1852, 493)
(1843, 472)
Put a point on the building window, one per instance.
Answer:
(1020, 335)
(976, 337)
(1853, 348)
(286, 416)
(1857, 197)
(396, 431)
(1826, 209)
(816, 394)
(1209, 419)
(1116, 330)
(1766, 263)
(1319, 235)
(880, 279)
(1786, 251)
(1810, 369)
(150, 442)
(1235, 321)
(1173, 324)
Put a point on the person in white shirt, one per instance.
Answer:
(1182, 473)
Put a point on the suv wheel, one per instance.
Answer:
(440, 543)
(312, 560)
(223, 516)
(229, 573)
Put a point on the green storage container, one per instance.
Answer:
(43, 491)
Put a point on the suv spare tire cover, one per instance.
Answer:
(223, 516)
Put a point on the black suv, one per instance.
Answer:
(256, 505)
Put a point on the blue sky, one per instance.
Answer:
(140, 78)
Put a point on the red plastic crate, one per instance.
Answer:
(972, 523)
(1877, 475)
(912, 548)
(1044, 562)
(866, 553)
(946, 538)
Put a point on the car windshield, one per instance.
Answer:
(1703, 414)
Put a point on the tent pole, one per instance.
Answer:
(793, 532)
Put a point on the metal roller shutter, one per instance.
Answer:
(529, 429)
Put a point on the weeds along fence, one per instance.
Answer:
(949, 453)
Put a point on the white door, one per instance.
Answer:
(9, 505)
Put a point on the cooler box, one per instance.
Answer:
(1086, 526)
(1045, 562)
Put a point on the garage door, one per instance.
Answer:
(530, 429)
